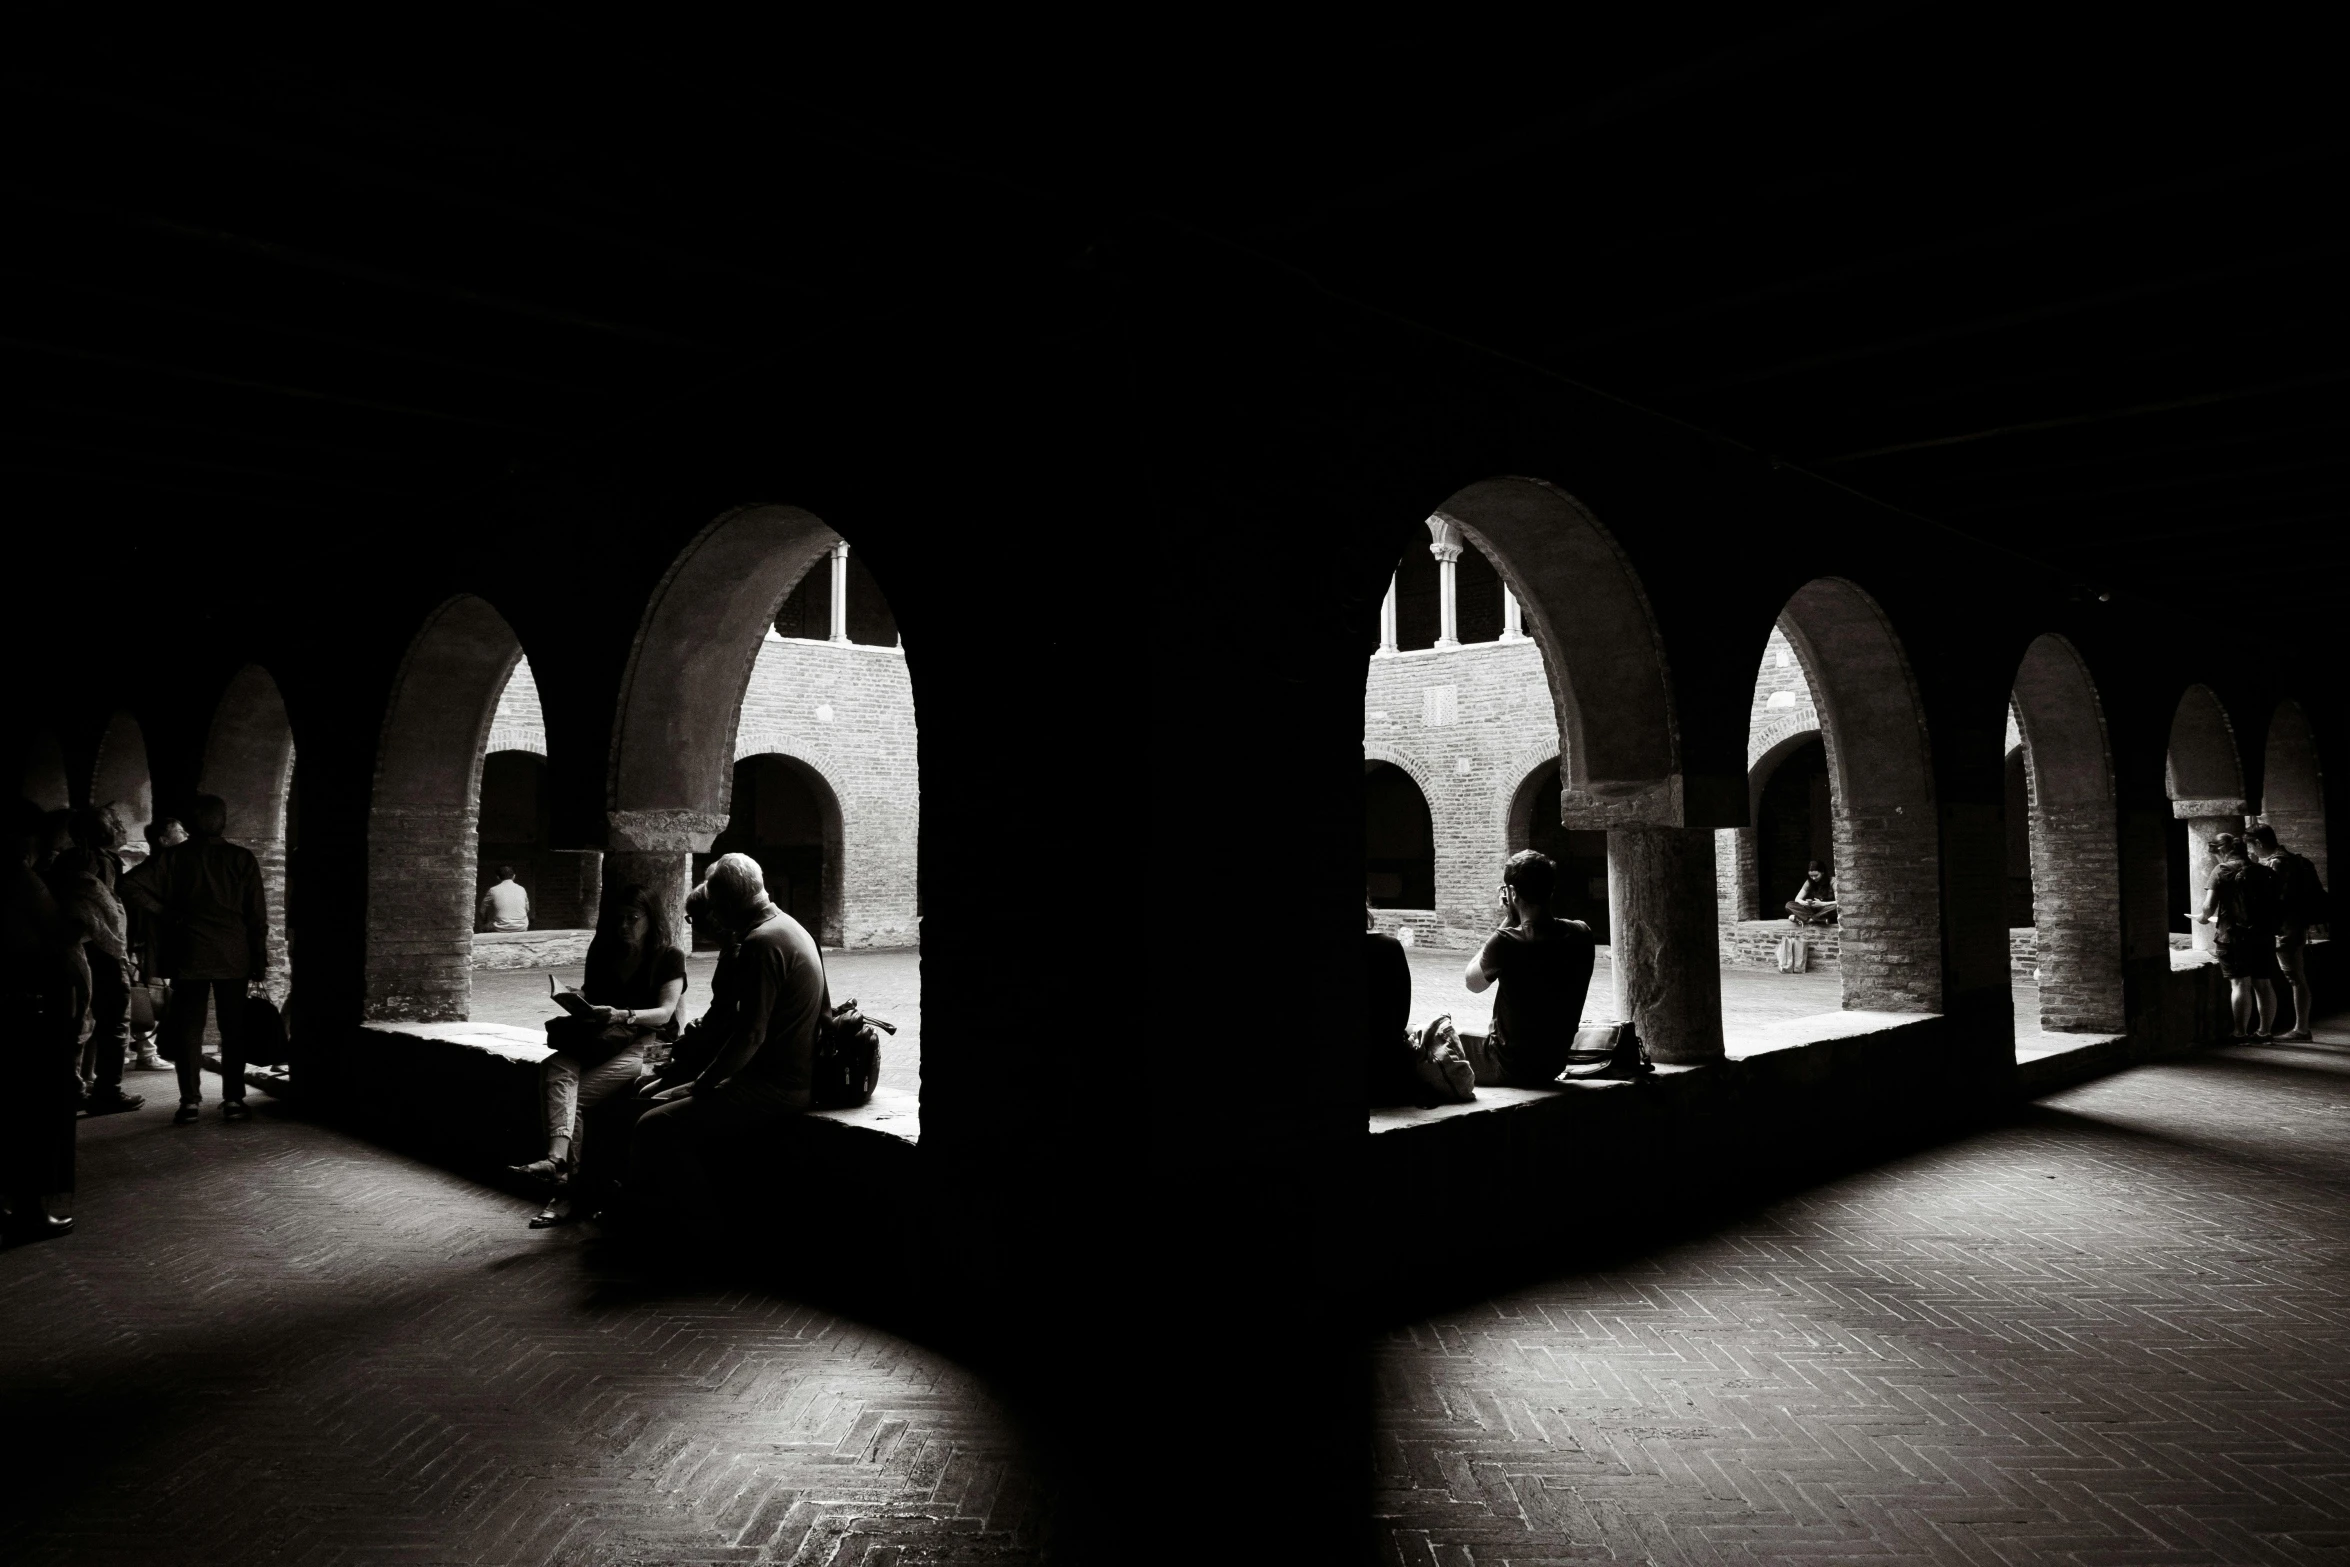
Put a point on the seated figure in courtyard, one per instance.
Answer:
(1543, 965)
(635, 988)
(1387, 1009)
(1814, 902)
(506, 906)
(761, 1073)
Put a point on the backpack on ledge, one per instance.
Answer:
(848, 1057)
(1617, 1044)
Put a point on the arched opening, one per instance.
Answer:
(514, 829)
(423, 820)
(2016, 797)
(787, 817)
(2061, 796)
(769, 645)
(1881, 794)
(1794, 819)
(119, 778)
(2292, 786)
(1399, 840)
(1519, 696)
(44, 781)
(249, 763)
(2204, 774)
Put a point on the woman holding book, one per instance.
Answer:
(633, 991)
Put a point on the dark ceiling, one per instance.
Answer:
(2076, 294)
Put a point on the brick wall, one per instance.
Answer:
(518, 725)
(847, 711)
(1468, 724)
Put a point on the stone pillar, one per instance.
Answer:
(1736, 858)
(840, 595)
(1668, 975)
(656, 849)
(1387, 645)
(570, 889)
(2206, 820)
(1445, 545)
(1513, 618)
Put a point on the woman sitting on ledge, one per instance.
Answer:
(634, 988)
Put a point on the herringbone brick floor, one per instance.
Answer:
(2115, 1330)
(274, 1343)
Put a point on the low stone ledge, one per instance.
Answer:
(529, 949)
(1755, 943)
(2045, 1063)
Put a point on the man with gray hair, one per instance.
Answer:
(762, 1071)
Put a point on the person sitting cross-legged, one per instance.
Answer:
(763, 1072)
(1814, 902)
(1543, 965)
(636, 985)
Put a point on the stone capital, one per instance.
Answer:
(664, 832)
(2190, 810)
(1444, 538)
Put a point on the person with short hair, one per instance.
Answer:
(2243, 901)
(206, 895)
(635, 983)
(1814, 902)
(764, 1069)
(41, 973)
(506, 906)
(2304, 900)
(84, 879)
(1543, 965)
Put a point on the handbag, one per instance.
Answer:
(1794, 955)
(589, 1042)
(1444, 1073)
(848, 1057)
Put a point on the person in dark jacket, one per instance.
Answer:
(42, 978)
(763, 1072)
(2302, 893)
(214, 943)
(1387, 1017)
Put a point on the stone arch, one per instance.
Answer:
(825, 918)
(119, 775)
(249, 763)
(2203, 772)
(2292, 785)
(1399, 841)
(1746, 887)
(1603, 655)
(422, 820)
(1532, 769)
(2075, 840)
(1881, 782)
(45, 782)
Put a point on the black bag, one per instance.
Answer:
(848, 1057)
(265, 1033)
(589, 1042)
(1617, 1044)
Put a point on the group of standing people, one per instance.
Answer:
(84, 929)
(620, 1126)
(2263, 900)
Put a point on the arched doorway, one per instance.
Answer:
(249, 764)
(423, 822)
(119, 778)
(1399, 840)
(513, 830)
(788, 818)
(1794, 819)
(2061, 796)
(1881, 793)
(2204, 774)
(1581, 857)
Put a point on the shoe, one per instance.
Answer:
(23, 1232)
(2299, 1036)
(113, 1104)
(185, 1115)
(148, 1060)
(236, 1110)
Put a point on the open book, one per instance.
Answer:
(569, 999)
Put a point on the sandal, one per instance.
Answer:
(548, 1172)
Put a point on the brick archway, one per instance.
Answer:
(2075, 842)
(2292, 785)
(119, 775)
(1881, 783)
(249, 763)
(2203, 771)
(827, 923)
(423, 817)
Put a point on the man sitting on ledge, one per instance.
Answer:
(1543, 965)
(763, 1070)
(1814, 902)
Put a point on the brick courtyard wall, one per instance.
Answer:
(518, 724)
(1468, 724)
(847, 711)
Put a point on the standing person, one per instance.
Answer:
(206, 895)
(1543, 965)
(40, 973)
(84, 880)
(2244, 901)
(1814, 902)
(506, 906)
(2305, 904)
(765, 1068)
(1387, 1019)
(636, 985)
(146, 966)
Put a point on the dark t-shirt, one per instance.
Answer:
(1544, 976)
(778, 981)
(2249, 896)
(1387, 1012)
(605, 986)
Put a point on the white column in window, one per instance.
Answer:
(1445, 545)
(1387, 620)
(840, 591)
(1513, 619)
